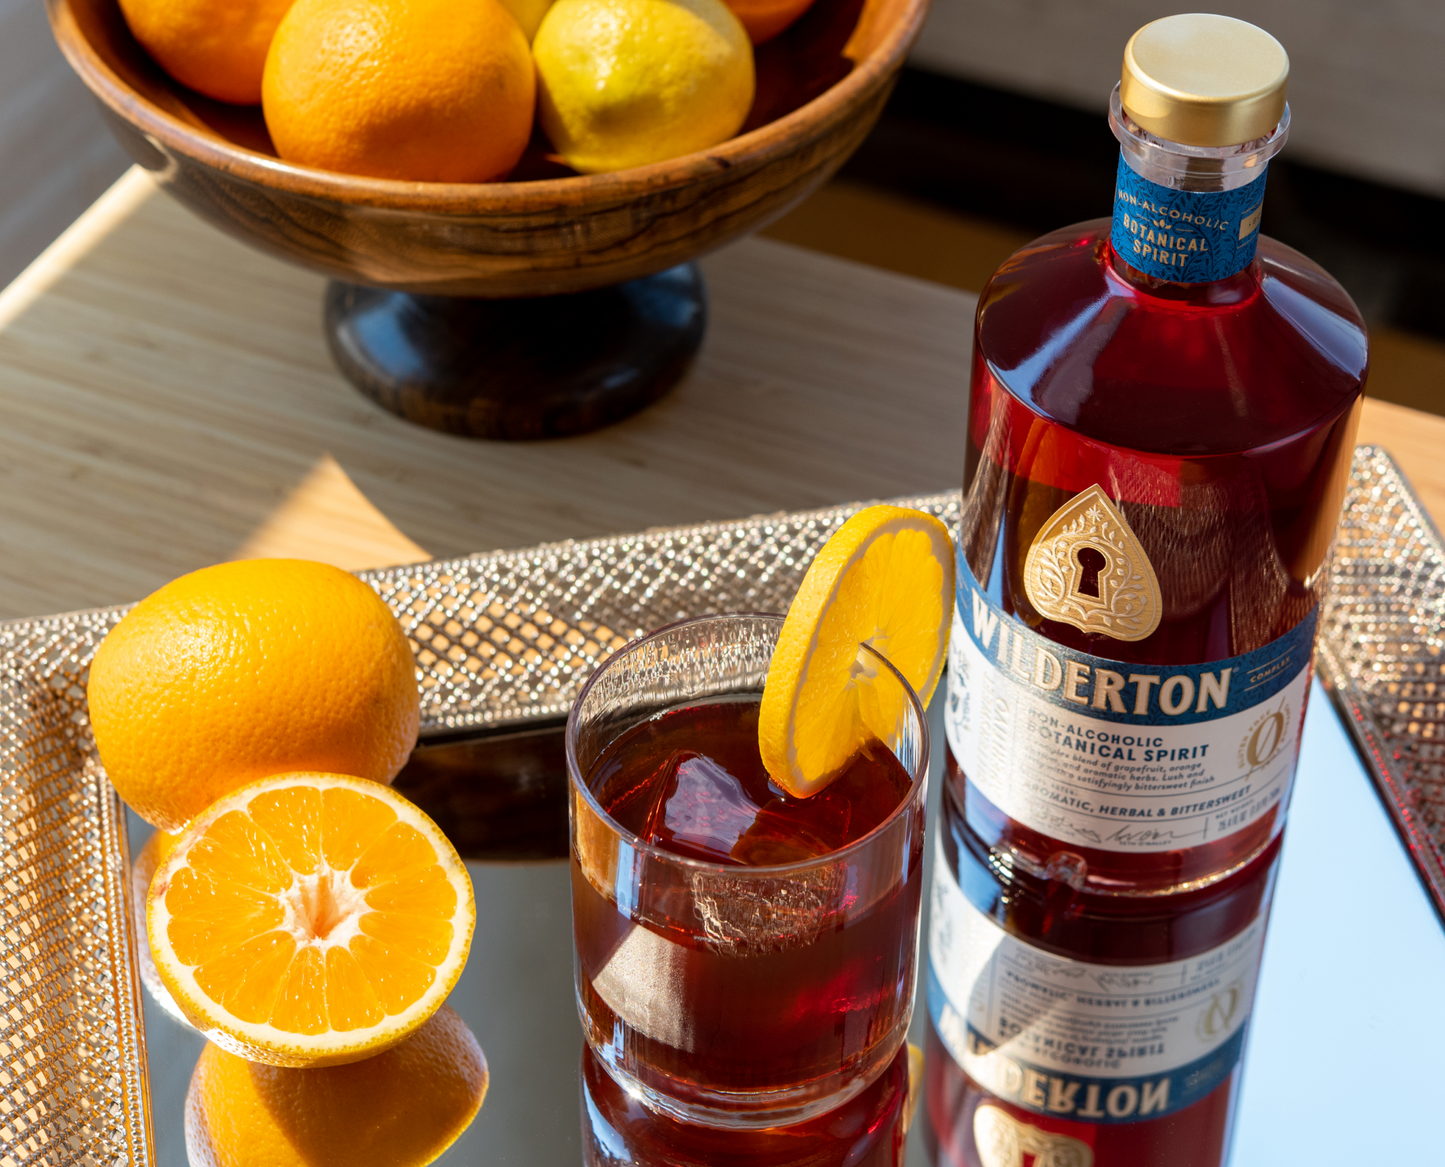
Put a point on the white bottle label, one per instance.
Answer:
(1118, 756)
(1097, 1043)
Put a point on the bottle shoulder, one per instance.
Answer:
(1184, 369)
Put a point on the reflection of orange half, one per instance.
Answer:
(402, 1108)
(764, 19)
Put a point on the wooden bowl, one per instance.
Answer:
(821, 85)
(549, 305)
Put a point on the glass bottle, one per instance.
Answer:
(1086, 1030)
(1162, 417)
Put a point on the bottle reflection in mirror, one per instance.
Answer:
(1085, 1030)
(866, 1131)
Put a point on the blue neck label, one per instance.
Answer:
(1185, 237)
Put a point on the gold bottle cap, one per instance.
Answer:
(1204, 80)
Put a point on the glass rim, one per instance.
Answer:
(735, 871)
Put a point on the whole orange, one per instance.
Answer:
(243, 670)
(216, 49)
(765, 19)
(419, 90)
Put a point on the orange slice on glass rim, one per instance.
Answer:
(884, 579)
(310, 920)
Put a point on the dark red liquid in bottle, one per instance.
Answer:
(786, 986)
(1196, 1137)
(866, 1131)
(1103, 930)
(1220, 417)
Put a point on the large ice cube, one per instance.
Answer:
(705, 811)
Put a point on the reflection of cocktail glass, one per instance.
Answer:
(866, 1131)
(743, 958)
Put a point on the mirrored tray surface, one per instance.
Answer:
(92, 1073)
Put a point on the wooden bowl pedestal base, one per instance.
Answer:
(543, 367)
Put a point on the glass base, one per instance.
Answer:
(869, 1130)
(752, 1109)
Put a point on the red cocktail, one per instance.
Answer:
(744, 958)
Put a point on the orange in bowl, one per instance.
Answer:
(765, 19)
(418, 90)
(216, 49)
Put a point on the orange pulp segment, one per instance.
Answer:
(310, 919)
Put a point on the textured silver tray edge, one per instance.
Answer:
(19, 638)
(71, 1077)
(89, 625)
(126, 963)
(1384, 776)
(1355, 708)
(944, 504)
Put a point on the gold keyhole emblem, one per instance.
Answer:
(1086, 568)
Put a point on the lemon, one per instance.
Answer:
(885, 579)
(310, 920)
(628, 82)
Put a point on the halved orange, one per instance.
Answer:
(142, 870)
(310, 920)
(884, 579)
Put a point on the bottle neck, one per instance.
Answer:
(1187, 214)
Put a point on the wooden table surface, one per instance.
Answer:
(169, 402)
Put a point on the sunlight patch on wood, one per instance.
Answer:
(328, 519)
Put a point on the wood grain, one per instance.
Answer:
(159, 419)
(1417, 441)
(327, 518)
(821, 85)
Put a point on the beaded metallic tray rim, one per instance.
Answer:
(1381, 652)
(504, 640)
